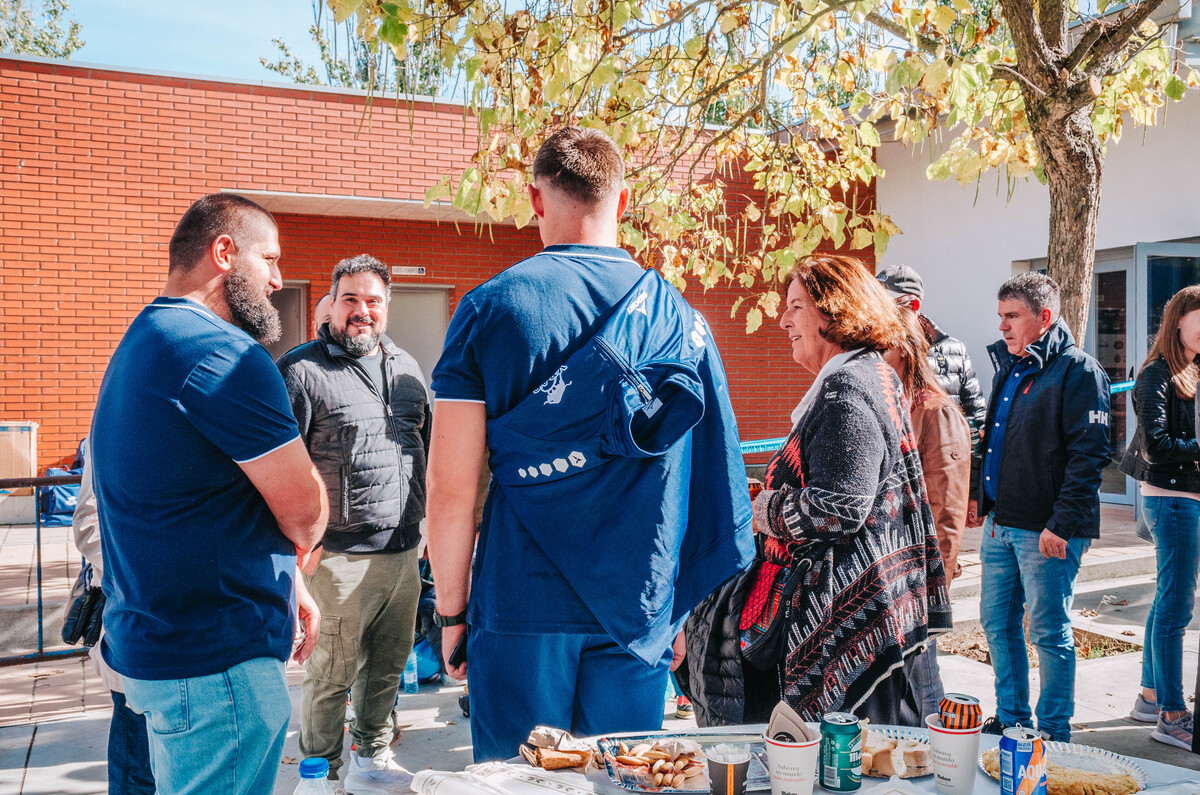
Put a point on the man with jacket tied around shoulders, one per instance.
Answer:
(363, 413)
(618, 497)
(1036, 480)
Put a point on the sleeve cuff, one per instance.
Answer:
(1054, 526)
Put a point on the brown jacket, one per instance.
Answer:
(944, 444)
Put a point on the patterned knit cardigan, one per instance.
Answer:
(849, 477)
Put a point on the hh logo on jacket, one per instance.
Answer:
(1094, 417)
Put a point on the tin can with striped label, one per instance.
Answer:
(841, 752)
(1022, 762)
(959, 711)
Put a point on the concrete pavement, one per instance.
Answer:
(54, 716)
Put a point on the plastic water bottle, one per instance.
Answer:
(314, 777)
(410, 673)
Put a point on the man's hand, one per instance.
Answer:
(679, 650)
(450, 638)
(973, 517)
(1052, 546)
(309, 616)
(310, 560)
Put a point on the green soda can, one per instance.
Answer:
(841, 752)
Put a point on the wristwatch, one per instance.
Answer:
(449, 621)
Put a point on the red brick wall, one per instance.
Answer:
(97, 165)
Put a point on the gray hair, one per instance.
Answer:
(1036, 290)
(363, 263)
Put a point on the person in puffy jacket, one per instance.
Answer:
(1165, 458)
(947, 355)
(363, 413)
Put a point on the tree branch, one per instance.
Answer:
(1014, 75)
(893, 27)
(1110, 40)
(1052, 19)
(1033, 57)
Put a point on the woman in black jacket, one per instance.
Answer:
(1164, 457)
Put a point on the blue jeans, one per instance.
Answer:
(586, 684)
(925, 678)
(221, 734)
(128, 751)
(1176, 525)
(1016, 574)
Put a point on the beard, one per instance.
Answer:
(250, 310)
(362, 345)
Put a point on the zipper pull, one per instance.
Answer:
(389, 409)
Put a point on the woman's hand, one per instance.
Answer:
(758, 511)
(678, 650)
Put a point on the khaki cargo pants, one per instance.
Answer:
(368, 616)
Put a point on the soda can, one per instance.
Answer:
(960, 712)
(841, 752)
(1022, 762)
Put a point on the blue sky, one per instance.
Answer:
(219, 38)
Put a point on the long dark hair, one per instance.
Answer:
(1167, 344)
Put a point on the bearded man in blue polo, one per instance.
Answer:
(207, 501)
(618, 497)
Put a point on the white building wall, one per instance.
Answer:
(965, 241)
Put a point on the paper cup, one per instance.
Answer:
(955, 756)
(727, 773)
(793, 766)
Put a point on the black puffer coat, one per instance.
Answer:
(1164, 451)
(949, 360)
(369, 448)
(724, 690)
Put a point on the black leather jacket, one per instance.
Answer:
(1164, 451)
(949, 360)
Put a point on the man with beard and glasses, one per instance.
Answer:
(364, 415)
(207, 502)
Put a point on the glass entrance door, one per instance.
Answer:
(1163, 269)
(1111, 341)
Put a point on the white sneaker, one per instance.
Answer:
(378, 776)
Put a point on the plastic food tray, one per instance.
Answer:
(757, 777)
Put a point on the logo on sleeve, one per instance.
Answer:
(638, 305)
(554, 387)
(1100, 417)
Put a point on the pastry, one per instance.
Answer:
(1064, 780)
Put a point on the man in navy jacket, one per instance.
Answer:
(1036, 480)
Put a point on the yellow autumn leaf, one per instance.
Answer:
(943, 19)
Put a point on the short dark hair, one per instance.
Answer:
(208, 218)
(363, 263)
(582, 162)
(1036, 290)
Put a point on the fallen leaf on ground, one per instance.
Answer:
(1128, 632)
(43, 674)
(1089, 612)
(287, 760)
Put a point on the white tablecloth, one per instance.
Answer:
(598, 782)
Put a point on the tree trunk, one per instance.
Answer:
(1070, 153)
